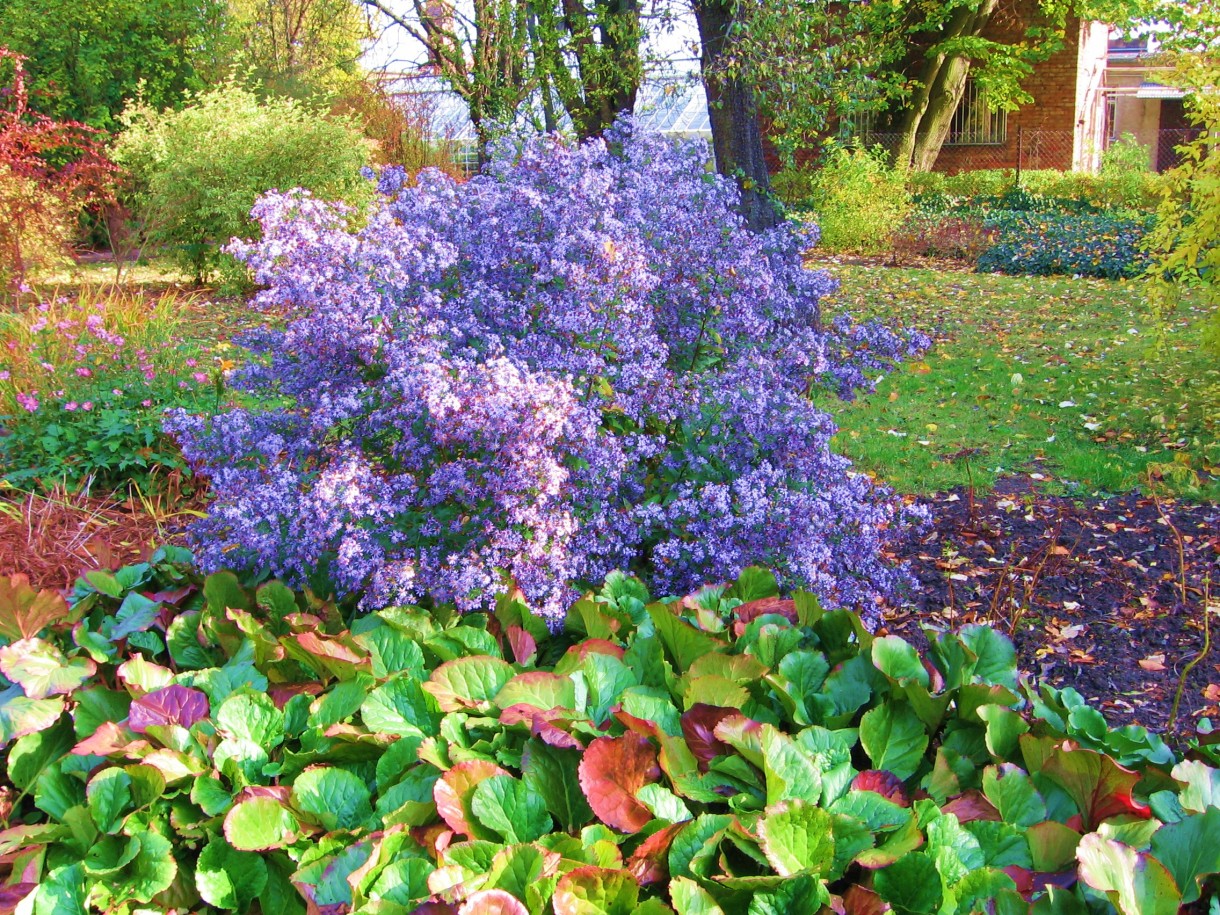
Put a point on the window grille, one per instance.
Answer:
(974, 122)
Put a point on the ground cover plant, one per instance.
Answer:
(1055, 376)
(576, 362)
(211, 745)
(1046, 244)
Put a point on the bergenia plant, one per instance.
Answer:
(576, 362)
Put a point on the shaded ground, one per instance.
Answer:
(1104, 595)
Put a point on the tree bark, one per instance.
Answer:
(736, 135)
(941, 82)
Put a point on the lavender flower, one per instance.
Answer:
(576, 362)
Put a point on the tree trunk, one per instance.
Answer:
(938, 118)
(941, 82)
(736, 136)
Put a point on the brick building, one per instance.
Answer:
(1088, 94)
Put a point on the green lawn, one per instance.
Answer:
(1056, 376)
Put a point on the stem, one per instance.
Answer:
(1207, 645)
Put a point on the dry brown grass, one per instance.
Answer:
(56, 537)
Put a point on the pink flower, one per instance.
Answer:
(47, 366)
(146, 403)
(117, 392)
(5, 376)
(191, 363)
(28, 401)
(71, 406)
(201, 377)
(87, 406)
(83, 372)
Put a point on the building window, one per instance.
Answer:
(974, 122)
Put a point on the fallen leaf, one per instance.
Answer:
(1154, 662)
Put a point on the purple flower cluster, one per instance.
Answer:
(576, 362)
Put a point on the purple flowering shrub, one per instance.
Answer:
(577, 362)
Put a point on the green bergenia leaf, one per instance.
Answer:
(109, 795)
(332, 797)
(251, 716)
(42, 670)
(1136, 883)
(511, 808)
(589, 890)
(1190, 850)
(797, 837)
(911, 885)
(401, 708)
(894, 738)
(228, 878)
(259, 823)
(552, 772)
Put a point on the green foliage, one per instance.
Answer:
(1185, 242)
(87, 59)
(186, 747)
(855, 198)
(1118, 186)
(197, 171)
(1045, 244)
(297, 47)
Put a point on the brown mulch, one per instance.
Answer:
(1103, 595)
(55, 538)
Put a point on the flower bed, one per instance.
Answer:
(213, 745)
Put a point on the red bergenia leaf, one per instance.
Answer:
(453, 790)
(972, 806)
(612, 771)
(107, 740)
(522, 643)
(650, 862)
(282, 693)
(548, 724)
(887, 784)
(641, 726)
(175, 596)
(1100, 787)
(433, 838)
(595, 646)
(10, 896)
(699, 728)
(549, 733)
(748, 612)
(173, 704)
(859, 900)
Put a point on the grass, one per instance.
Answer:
(1046, 375)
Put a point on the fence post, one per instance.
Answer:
(1020, 151)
